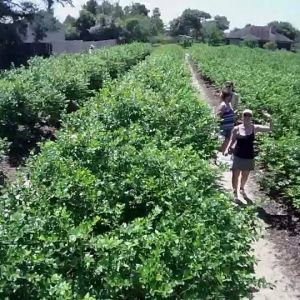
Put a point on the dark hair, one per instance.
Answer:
(229, 84)
(224, 95)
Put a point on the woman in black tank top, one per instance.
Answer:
(242, 146)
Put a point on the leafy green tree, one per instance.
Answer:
(50, 3)
(189, 23)
(284, 28)
(104, 32)
(43, 22)
(249, 43)
(177, 27)
(85, 21)
(105, 28)
(69, 20)
(137, 28)
(156, 21)
(71, 33)
(91, 6)
(212, 33)
(270, 46)
(156, 13)
(107, 20)
(136, 9)
(105, 8)
(193, 21)
(13, 20)
(118, 11)
(222, 22)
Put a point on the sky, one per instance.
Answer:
(238, 12)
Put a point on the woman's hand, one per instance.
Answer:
(228, 151)
(266, 115)
(265, 128)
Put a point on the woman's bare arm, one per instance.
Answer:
(232, 140)
(220, 109)
(265, 128)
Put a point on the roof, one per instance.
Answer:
(282, 38)
(260, 33)
(250, 37)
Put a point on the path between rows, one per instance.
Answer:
(271, 264)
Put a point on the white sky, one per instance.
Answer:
(238, 12)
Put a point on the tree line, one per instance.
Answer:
(106, 20)
(112, 21)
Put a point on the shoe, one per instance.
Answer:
(235, 195)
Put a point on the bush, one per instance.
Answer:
(281, 161)
(162, 39)
(48, 88)
(270, 46)
(249, 43)
(125, 205)
(186, 42)
(275, 76)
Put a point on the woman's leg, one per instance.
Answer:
(235, 180)
(245, 176)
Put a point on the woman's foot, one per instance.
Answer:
(245, 196)
(235, 195)
(242, 191)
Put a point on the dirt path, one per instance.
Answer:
(276, 261)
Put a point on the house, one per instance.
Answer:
(58, 44)
(259, 34)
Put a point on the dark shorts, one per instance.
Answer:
(226, 133)
(243, 164)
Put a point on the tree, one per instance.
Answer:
(297, 38)
(107, 21)
(136, 9)
(213, 35)
(284, 28)
(192, 19)
(118, 11)
(72, 33)
(85, 21)
(137, 28)
(12, 11)
(156, 21)
(249, 43)
(105, 8)
(189, 23)
(91, 6)
(270, 46)
(13, 20)
(50, 3)
(69, 20)
(42, 22)
(177, 27)
(222, 22)
(104, 31)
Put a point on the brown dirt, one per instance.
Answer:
(21, 148)
(278, 250)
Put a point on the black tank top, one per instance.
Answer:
(244, 147)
